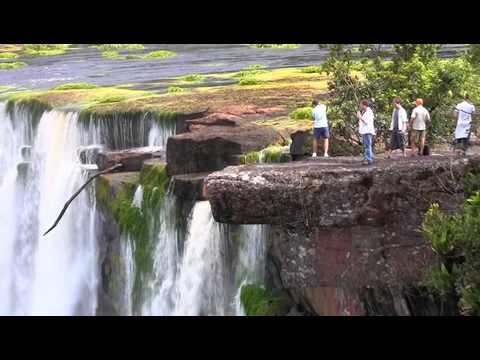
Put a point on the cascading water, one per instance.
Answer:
(53, 275)
(200, 280)
(42, 163)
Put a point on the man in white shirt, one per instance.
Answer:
(418, 122)
(464, 112)
(320, 128)
(367, 130)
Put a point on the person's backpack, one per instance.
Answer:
(426, 150)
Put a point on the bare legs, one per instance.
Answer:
(325, 146)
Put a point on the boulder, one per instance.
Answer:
(344, 237)
(211, 148)
(336, 191)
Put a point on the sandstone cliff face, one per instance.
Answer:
(345, 237)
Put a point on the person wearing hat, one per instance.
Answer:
(418, 123)
(464, 112)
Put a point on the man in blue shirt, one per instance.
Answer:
(320, 127)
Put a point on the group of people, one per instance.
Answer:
(399, 127)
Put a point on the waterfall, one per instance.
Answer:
(200, 280)
(198, 267)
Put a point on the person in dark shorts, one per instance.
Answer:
(320, 128)
(398, 127)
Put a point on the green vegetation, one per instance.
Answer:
(258, 301)
(271, 154)
(44, 49)
(304, 113)
(160, 54)
(75, 86)
(407, 71)
(251, 70)
(275, 154)
(252, 157)
(111, 54)
(455, 239)
(107, 47)
(175, 89)
(8, 55)
(274, 46)
(311, 69)
(12, 65)
(193, 78)
(140, 223)
(4, 88)
(111, 99)
(249, 80)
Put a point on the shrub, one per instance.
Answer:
(111, 99)
(455, 238)
(304, 113)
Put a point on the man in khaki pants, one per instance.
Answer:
(418, 121)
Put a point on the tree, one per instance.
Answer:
(379, 74)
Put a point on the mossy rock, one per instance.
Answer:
(257, 301)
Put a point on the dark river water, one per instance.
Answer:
(84, 64)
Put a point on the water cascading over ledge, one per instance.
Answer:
(40, 169)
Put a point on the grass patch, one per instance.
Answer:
(75, 86)
(8, 55)
(311, 69)
(107, 47)
(193, 78)
(111, 99)
(4, 88)
(274, 46)
(249, 80)
(112, 54)
(175, 89)
(44, 49)
(12, 65)
(160, 54)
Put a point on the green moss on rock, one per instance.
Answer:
(257, 301)
(12, 65)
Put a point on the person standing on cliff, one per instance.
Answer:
(367, 130)
(418, 121)
(464, 112)
(320, 128)
(398, 127)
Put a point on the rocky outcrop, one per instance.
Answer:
(345, 237)
(211, 147)
(132, 159)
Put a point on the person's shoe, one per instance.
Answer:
(365, 162)
(314, 155)
(326, 155)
